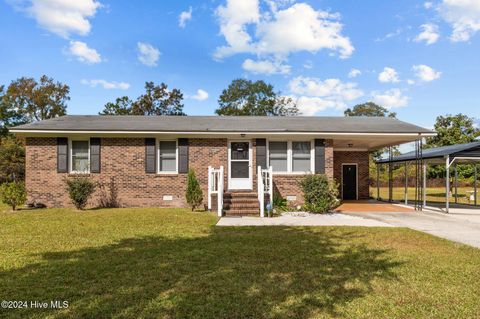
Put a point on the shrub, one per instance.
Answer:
(194, 194)
(13, 194)
(80, 189)
(279, 203)
(319, 194)
(109, 198)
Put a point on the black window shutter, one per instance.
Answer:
(261, 152)
(183, 155)
(150, 156)
(95, 154)
(319, 156)
(62, 155)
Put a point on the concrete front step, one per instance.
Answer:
(242, 212)
(241, 206)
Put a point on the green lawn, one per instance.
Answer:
(166, 263)
(434, 194)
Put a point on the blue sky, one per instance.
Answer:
(421, 59)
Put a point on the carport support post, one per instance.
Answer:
(447, 184)
(475, 186)
(406, 183)
(456, 183)
(378, 181)
(424, 184)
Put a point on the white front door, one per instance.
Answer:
(239, 165)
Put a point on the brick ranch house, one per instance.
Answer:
(149, 156)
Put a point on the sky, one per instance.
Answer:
(419, 59)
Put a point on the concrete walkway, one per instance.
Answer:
(462, 226)
(309, 220)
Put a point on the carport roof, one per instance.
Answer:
(470, 149)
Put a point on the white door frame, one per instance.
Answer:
(240, 183)
(356, 177)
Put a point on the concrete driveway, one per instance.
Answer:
(462, 225)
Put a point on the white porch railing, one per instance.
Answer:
(215, 186)
(264, 186)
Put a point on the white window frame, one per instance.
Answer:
(290, 157)
(70, 155)
(158, 156)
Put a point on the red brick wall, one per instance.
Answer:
(287, 184)
(123, 159)
(360, 158)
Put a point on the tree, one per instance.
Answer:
(8, 115)
(157, 100)
(194, 194)
(244, 97)
(12, 160)
(13, 194)
(36, 101)
(369, 109)
(453, 129)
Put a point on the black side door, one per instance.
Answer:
(349, 182)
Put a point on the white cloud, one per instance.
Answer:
(390, 99)
(410, 82)
(83, 53)
(388, 75)
(313, 95)
(279, 32)
(463, 16)
(428, 5)
(62, 17)
(308, 64)
(354, 73)
(201, 95)
(148, 54)
(184, 17)
(429, 34)
(106, 84)
(265, 67)
(426, 73)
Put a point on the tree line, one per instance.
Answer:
(27, 100)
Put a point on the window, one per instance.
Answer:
(290, 157)
(80, 157)
(301, 156)
(278, 156)
(167, 156)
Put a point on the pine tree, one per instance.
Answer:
(194, 194)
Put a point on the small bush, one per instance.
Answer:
(80, 189)
(319, 194)
(13, 194)
(194, 194)
(279, 203)
(109, 197)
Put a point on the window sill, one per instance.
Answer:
(73, 174)
(166, 174)
(291, 173)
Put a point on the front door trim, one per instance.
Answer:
(247, 184)
(356, 178)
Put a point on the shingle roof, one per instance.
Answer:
(437, 152)
(223, 124)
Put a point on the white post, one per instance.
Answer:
(447, 186)
(406, 183)
(270, 186)
(260, 190)
(209, 188)
(220, 193)
(424, 184)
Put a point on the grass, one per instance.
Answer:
(171, 263)
(434, 194)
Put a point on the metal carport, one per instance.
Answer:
(468, 153)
